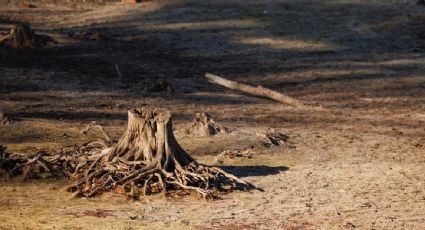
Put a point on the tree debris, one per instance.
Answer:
(204, 126)
(146, 159)
(258, 91)
(243, 153)
(273, 138)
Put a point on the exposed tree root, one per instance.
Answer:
(147, 159)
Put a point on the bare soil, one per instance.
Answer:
(357, 162)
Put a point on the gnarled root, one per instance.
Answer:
(146, 159)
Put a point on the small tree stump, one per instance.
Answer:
(204, 126)
(148, 159)
(4, 120)
(22, 36)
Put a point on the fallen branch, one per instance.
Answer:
(258, 91)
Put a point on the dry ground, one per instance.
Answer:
(358, 163)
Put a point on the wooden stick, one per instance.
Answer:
(117, 68)
(258, 91)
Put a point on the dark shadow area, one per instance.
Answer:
(357, 49)
(255, 170)
(66, 115)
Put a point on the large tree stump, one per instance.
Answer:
(148, 159)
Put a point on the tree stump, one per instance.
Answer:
(22, 36)
(4, 120)
(148, 159)
(203, 125)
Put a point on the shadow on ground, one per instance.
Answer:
(254, 170)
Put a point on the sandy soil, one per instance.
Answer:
(356, 163)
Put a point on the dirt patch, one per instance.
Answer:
(356, 163)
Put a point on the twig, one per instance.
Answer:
(117, 68)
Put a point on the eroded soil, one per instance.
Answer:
(357, 162)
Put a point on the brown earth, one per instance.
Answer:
(356, 163)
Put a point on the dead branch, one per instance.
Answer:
(258, 91)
